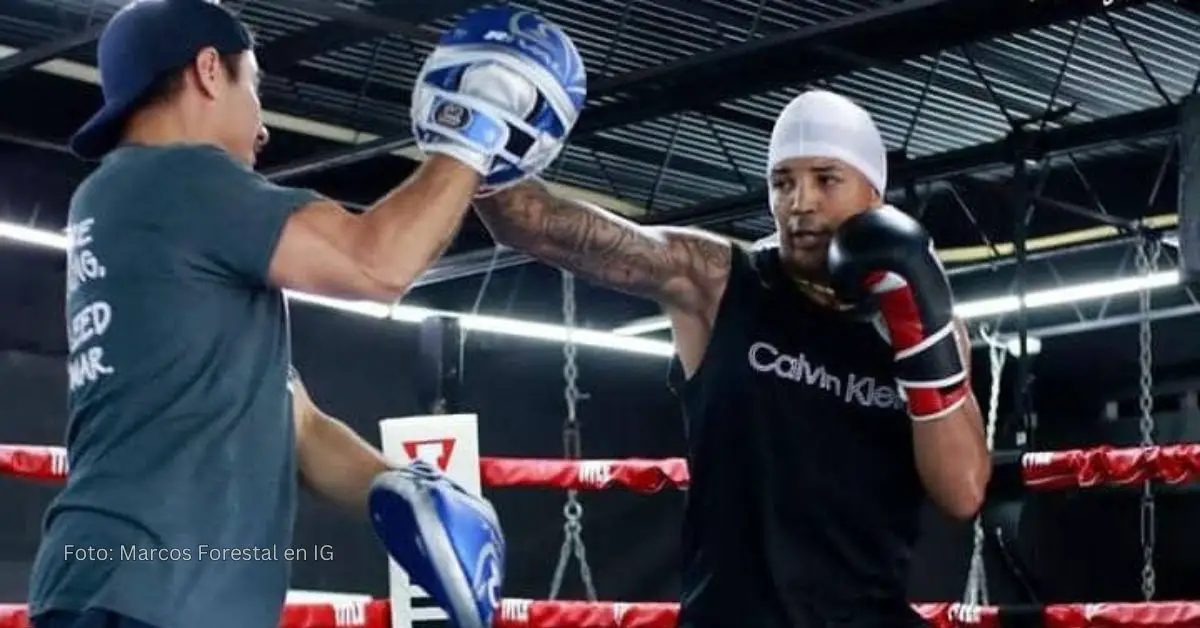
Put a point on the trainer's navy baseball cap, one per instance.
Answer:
(142, 42)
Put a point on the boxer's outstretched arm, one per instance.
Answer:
(951, 453)
(327, 250)
(684, 270)
(678, 267)
(335, 462)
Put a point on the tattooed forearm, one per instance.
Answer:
(602, 249)
(664, 264)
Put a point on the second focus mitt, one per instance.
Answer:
(448, 541)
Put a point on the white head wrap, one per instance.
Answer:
(824, 124)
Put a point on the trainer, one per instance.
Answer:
(181, 431)
(823, 378)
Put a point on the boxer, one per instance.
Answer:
(183, 439)
(822, 376)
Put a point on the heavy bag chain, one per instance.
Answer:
(1147, 262)
(572, 449)
(976, 593)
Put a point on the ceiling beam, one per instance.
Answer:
(922, 168)
(346, 27)
(88, 74)
(1141, 125)
(385, 19)
(351, 25)
(786, 59)
(387, 93)
(701, 81)
(866, 62)
(32, 57)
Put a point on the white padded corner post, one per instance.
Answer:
(448, 441)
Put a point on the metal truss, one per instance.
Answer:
(37, 55)
(991, 157)
(341, 27)
(1024, 197)
(1031, 135)
(1055, 145)
(699, 83)
(1110, 259)
(829, 48)
(769, 63)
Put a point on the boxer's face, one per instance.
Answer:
(237, 109)
(812, 196)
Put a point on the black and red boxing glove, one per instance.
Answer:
(885, 256)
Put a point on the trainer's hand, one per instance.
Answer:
(500, 93)
(448, 541)
(886, 256)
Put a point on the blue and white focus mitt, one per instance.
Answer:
(500, 93)
(448, 541)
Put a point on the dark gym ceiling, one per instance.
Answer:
(682, 97)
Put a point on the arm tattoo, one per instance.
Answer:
(664, 264)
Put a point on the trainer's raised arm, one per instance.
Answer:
(492, 106)
(683, 269)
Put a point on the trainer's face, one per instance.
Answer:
(240, 111)
(811, 197)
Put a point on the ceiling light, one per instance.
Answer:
(643, 326)
(624, 338)
(995, 306)
(36, 237)
(414, 314)
(1067, 294)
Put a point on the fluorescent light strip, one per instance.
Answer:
(413, 314)
(643, 326)
(1067, 294)
(997, 305)
(493, 325)
(36, 237)
(624, 339)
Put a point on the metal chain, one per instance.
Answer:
(572, 448)
(1147, 262)
(976, 593)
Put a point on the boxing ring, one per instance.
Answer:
(448, 437)
(451, 442)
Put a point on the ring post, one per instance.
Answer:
(448, 441)
(439, 380)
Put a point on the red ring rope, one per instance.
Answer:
(518, 613)
(1082, 468)
(1172, 464)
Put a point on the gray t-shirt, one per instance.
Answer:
(182, 488)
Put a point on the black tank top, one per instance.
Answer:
(804, 499)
